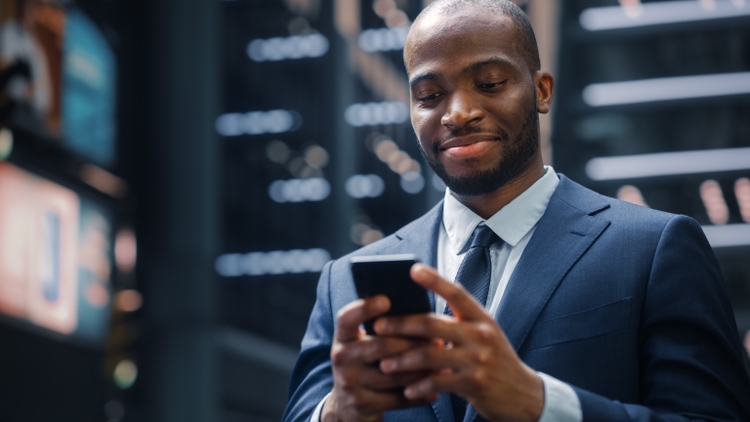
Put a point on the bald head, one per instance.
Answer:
(525, 33)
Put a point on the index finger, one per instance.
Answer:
(462, 304)
(357, 312)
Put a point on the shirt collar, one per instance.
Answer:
(511, 223)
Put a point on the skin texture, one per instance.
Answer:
(474, 105)
(472, 90)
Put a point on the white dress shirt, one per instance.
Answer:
(514, 224)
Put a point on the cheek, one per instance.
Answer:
(415, 121)
(511, 109)
(420, 122)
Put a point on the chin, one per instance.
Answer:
(488, 180)
(473, 186)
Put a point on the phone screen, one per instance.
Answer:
(389, 275)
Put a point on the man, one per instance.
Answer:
(591, 309)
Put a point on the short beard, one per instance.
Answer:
(517, 159)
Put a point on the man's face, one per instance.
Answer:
(473, 99)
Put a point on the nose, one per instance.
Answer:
(462, 109)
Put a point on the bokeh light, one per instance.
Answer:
(125, 374)
(128, 300)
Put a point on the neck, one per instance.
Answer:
(489, 204)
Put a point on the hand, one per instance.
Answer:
(361, 391)
(478, 364)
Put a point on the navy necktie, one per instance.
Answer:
(474, 274)
(476, 268)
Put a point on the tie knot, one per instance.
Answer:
(484, 237)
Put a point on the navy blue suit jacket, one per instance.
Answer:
(624, 303)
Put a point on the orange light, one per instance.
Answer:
(742, 193)
(97, 295)
(384, 149)
(125, 250)
(103, 180)
(713, 200)
(128, 300)
(632, 8)
(632, 194)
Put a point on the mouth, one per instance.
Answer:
(466, 140)
(467, 146)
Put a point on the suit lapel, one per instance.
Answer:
(421, 238)
(562, 236)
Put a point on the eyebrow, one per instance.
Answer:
(427, 76)
(492, 61)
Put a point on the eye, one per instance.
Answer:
(428, 98)
(489, 86)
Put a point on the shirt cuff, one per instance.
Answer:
(561, 402)
(319, 409)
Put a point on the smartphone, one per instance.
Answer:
(389, 275)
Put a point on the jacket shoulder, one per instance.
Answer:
(615, 210)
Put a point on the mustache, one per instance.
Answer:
(469, 130)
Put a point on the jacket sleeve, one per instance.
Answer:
(690, 358)
(312, 377)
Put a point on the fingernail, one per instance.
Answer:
(410, 392)
(387, 365)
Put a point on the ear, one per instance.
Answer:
(545, 86)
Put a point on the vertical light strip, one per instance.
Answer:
(544, 19)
